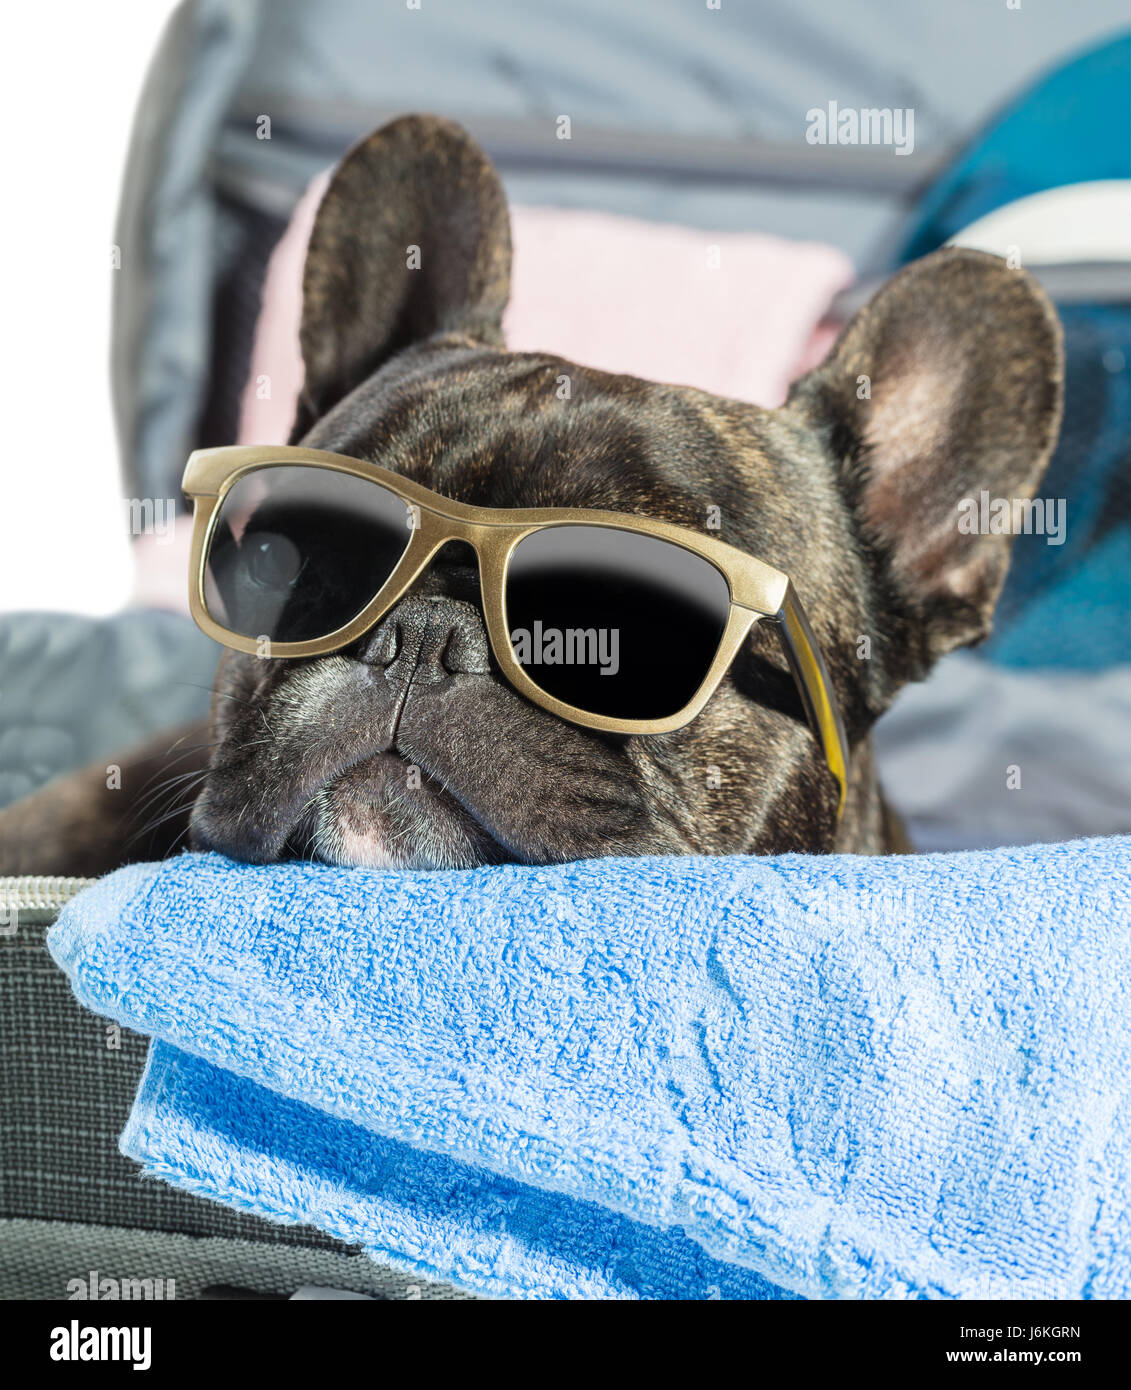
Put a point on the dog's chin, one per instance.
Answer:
(385, 813)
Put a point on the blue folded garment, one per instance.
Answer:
(849, 1077)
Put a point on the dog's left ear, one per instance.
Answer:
(946, 385)
(412, 239)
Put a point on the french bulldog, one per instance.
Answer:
(947, 384)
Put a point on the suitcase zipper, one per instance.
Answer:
(37, 893)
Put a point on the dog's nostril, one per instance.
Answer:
(454, 656)
(464, 649)
(447, 656)
(386, 645)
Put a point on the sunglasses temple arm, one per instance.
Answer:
(814, 687)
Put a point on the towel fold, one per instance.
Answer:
(839, 1076)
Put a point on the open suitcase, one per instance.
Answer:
(205, 200)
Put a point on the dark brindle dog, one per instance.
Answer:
(851, 488)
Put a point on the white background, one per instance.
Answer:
(71, 79)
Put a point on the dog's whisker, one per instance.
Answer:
(172, 762)
(156, 822)
(164, 797)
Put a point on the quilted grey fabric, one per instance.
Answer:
(73, 689)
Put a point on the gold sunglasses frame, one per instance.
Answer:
(758, 591)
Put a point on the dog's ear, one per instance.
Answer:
(412, 239)
(947, 384)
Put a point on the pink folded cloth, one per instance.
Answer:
(737, 314)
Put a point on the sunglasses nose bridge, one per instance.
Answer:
(491, 542)
(437, 528)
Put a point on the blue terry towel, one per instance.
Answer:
(842, 1077)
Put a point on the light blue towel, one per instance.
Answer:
(848, 1077)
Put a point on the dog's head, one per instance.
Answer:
(409, 749)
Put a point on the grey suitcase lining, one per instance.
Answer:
(72, 1202)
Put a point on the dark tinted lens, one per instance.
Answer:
(297, 552)
(613, 622)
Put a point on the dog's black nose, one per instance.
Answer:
(427, 639)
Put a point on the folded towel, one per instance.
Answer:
(902, 1077)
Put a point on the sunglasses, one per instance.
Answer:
(609, 620)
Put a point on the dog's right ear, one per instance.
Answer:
(411, 240)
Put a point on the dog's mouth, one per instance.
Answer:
(332, 760)
(367, 805)
(384, 812)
